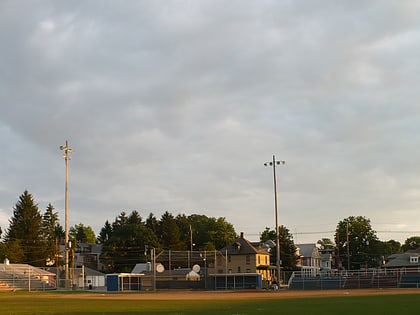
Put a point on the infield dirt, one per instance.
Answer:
(231, 295)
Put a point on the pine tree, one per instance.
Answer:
(52, 232)
(170, 232)
(25, 232)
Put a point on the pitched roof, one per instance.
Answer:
(242, 246)
(401, 260)
(307, 250)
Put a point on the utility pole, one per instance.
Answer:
(348, 247)
(273, 163)
(66, 157)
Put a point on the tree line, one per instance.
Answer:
(34, 238)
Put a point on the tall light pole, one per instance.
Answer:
(66, 157)
(273, 164)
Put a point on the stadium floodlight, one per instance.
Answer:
(66, 157)
(273, 164)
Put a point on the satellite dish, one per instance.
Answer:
(196, 268)
(160, 268)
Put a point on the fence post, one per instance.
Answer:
(29, 279)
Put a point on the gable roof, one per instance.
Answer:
(242, 246)
(308, 250)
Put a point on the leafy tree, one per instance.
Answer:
(224, 233)
(52, 232)
(267, 235)
(363, 249)
(326, 243)
(391, 247)
(25, 231)
(210, 233)
(287, 247)
(411, 243)
(82, 234)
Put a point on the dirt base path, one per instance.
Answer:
(234, 295)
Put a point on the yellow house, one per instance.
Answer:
(242, 257)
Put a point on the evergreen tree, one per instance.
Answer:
(170, 237)
(287, 249)
(52, 232)
(124, 242)
(25, 232)
(184, 226)
(105, 233)
(153, 224)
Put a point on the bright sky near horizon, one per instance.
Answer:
(176, 105)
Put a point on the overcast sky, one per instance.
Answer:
(176, 105)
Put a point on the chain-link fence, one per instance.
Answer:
(26, 277)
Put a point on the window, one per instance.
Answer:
(248, 259)
(239, 269)
(414, 259)
(248, 271)
(229, 259)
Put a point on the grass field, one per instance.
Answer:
(59, 303)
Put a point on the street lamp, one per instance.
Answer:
(273, 164)
(66, 157)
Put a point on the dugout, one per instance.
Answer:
(235, 281)
(124, 282)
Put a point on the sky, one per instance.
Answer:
(176, 106)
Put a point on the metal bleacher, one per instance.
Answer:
(25, 277)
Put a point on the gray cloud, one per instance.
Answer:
(176, 105)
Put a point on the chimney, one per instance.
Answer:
(242, 234)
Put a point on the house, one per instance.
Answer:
(327, 258)
(243, 257)
(309, 259)
(88, 255)
(409, 259)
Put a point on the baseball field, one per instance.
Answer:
(342, 302)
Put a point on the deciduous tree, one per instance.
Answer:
(357, 243)
(82, 234)
(411, 243)
(287, 247)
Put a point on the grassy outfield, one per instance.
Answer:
(38, 303)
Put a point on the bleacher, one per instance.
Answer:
(25, 277)
(410, 281)
(358, 282)
(317, 283)
(385, 281)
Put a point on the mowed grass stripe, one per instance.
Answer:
(17, 303)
